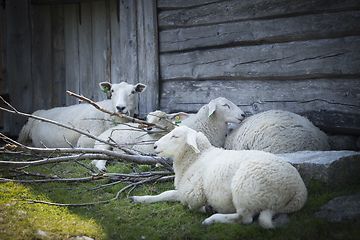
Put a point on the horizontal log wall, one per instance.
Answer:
(300, 55)
(50, 48)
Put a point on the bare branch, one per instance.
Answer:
(131, 119)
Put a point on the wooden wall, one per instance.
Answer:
(50, 48)
(299, 55)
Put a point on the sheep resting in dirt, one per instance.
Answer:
(236, 184)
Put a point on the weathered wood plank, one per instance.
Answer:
(128, 42)
(316, 98)
(100, 46)
(58, 57)
(298, 28)
(115, 41)
(308, 59)
(172, 4)
(250, 9)
(17, 59)
(41, 53)
(72, 77)
(148, 55)
(86, 75)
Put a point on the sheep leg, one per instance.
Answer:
(169, 196)
(227, 218)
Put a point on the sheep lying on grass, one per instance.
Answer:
(213, 118)
(82, 116)
(137, 137)
(236, 184)
(277, 132)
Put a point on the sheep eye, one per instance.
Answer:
(174, 136)
(226, 105)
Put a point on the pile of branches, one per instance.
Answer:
(45, 156)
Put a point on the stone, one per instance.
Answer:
(343, 142)
(344, 208)
(335, 168)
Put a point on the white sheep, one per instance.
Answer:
(277, 132)
(213, 118)
(136, 136)
(236, 184)
(83, 116)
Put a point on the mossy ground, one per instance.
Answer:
(121, 219)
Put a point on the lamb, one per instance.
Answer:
(134, 136)
(235, 184)
(82, 116)
(213, 118)
(277, 132)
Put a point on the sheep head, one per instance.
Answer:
(225, 110)
(122, 96)
(172, 144)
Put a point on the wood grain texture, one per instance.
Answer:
(17, 62)
(72, 77)
(225, 11)
(325, 57)
(315, 26)
(148, 57)
(319, 99)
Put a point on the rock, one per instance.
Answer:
(81, 238)
(345, 208)
(335, 168)
(343, 142)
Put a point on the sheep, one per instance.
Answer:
(82, 116)
(278, 132)
(235, 184)
(213, 118)
(134, 136)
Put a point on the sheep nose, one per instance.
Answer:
(120, 109)
(243, 115)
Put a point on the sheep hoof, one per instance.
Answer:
(132, 200)
(209, 210)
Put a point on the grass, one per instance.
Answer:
(121, 219)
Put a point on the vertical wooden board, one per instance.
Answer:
(86, 50)
(115, 40)
(58, 91)
(71, 12)
(148, 55)
(3, 63)
(128, 42)
(17, 75)
(41, 53)
(99, 36)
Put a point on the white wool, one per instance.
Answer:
(236, 184)
(277, 132)
(136, 136)
(213, 118)
(82, 116)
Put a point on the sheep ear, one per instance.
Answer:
(191, 140)
(177, 117)
(106, 88)
(212, 108)
(138, 88)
